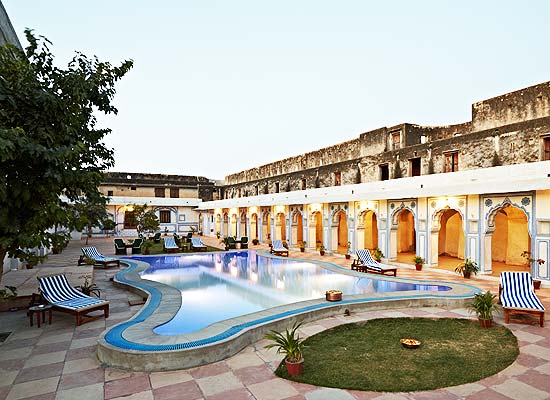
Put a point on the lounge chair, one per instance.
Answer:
(197, 244)
(136, 245)
(63, 297)
(120, 247)
(189, 237)
(517, 295)
(244, 242)
(99, 258)
(365, 263)
(231, 244)
(170, 245)
(156, 237)
(278, 249)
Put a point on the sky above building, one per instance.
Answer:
(221, 86)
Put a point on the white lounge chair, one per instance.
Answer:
(197, 244)
(517, 295)
(99, 258)
(278, 249)
(63, 297)
(170, 245)
(365, 263)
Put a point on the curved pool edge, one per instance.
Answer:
(133, 345)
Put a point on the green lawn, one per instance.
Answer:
(158, 249)
(369, 356)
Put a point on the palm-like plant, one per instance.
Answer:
(288, 343)
(484, 305)
(88, 288)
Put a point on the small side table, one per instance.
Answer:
(40, 311)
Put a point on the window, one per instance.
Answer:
(451, 161)
(160, 192)
(396, 140)
(239, 193)
(384, 172)
(133, 188)
(415, 166)
(129, 220)
(266, 189)
(337, 179)
(304, 185)
(110, 193)
(257, 190)
(546, 149)
(174, 193)
(164, 217)
(276, 187)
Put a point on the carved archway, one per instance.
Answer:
(367, 230)
(447, 238)
(296, 227)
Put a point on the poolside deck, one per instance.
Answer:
(58, 360)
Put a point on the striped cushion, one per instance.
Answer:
(277, 245)
(197, 242)
(170, 243)
(518, 291)
(366, 258)
(57, 290)
(95, 255)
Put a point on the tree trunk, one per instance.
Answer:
(3, 252)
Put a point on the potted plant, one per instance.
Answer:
(302, 245)
(255, 241)
(377, 254)
(348, 247)
(466, 268)
(484, 304)
(218, 234)
(146, 246)
(322, 250)
(530, 261)
(88, 288)
(418, 262)
(226, 242)
(291, 345)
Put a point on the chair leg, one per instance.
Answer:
(106, 311)
(541, 319)
(507, 316)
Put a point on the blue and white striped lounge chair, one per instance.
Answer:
(63, 297)
(365, 263)
(278, 249)
(99, 258)
(170, 245)
(197, 244)
(517, 295)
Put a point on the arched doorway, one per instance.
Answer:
(280, 226)
(406, 237)
(243, 228)
(218, 224)
(367, 230)
(340, 232)
(225, 225)
(297, 228)
(510, 238)
(234, 222)
(254, 226)
(447, 239)
(316, 230)
(266, 226)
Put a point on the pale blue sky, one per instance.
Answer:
(221, 86)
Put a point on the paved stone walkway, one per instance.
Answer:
(58, 361)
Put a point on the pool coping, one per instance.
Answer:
(134, 345)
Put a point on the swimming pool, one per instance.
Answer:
(219, 286)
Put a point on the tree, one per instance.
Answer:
(108, 225)
(51, 152)
(145, 220)
(90, 212)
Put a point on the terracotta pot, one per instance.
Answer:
(302, 250)
(333, 296)
(322, 252)
(348, 256)
(485, 323)
(467, 274)
(295, 369)
(536, 284)
(418, 267)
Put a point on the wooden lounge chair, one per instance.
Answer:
(170, 245)
(244, 242)
(197, 244)
(365, 263)
(120, 247)
(63, 297)
(99, 258)
(517, 294)
(136, 245)
(278, 249)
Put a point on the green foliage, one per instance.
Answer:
(108, 224)
(89, 212)
(288, 343)
(88, 260)
(377, 254)
(145, 219)
(418, 260)
(302, 244)
(484, 304)
(467, 267)
(51, 152)
(88, 288)
(8, 292)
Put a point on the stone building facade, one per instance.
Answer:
(477, 190)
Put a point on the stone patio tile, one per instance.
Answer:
(243, 360)
(160, 379)
(360, 395)
(33, 388)
(114, 374)
(25, 334)
(90, 392)
(45, 359)
(55, 338)
(17, 344)
(83, 352)
(215, 384)
(87, 333)
(440, 394)
(275, 389)
(86, 342)
(536, 379)
(7, 377)
(13, 365)
(537, 351)
(329, 394)
(255, 374)
(312, 329)
(16, 354)
(49, 348)
(303, 387)
(147, 395)
(209, 370)
(126, 386)
(237, 394)
(466, 390)
(82, 378)
(391, 396)
(81, 364)
(181, 391)
(528, 337)
(520, 391)
(34, 373)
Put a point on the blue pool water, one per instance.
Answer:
(218, 286)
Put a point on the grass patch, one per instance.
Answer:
(369, 356)
(157, 248)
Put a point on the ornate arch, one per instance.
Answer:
(362, 215)
(436, 218)
(506, 203)
(335, 216)
(398, 210)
